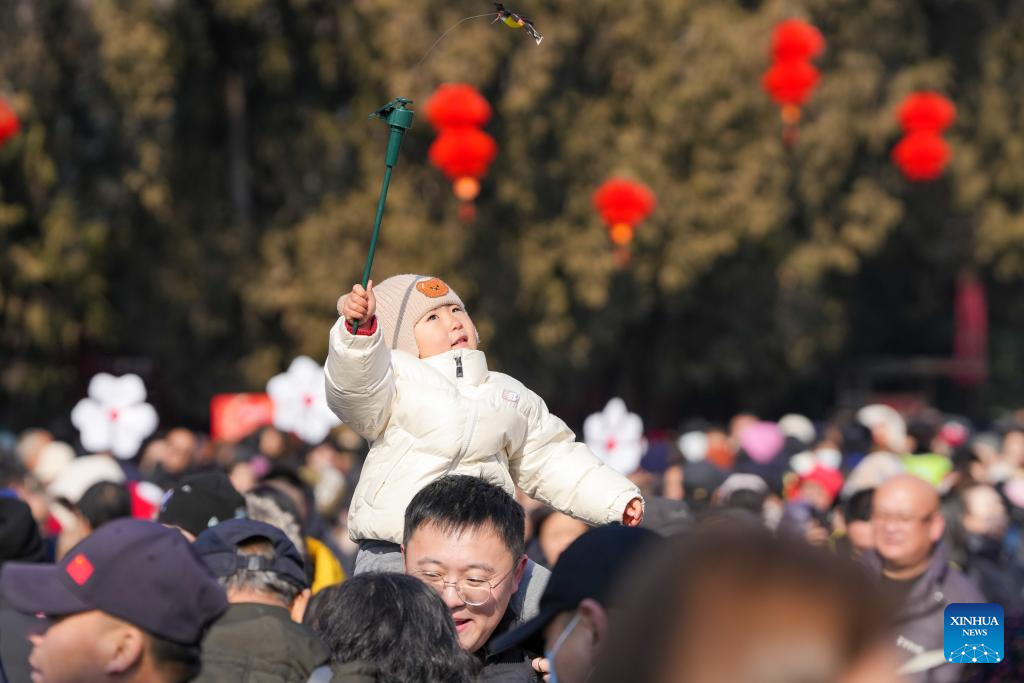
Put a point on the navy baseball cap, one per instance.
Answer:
(218, 546)
(138, 571)
(589, 568)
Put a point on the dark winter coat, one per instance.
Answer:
(993, 572)
(255, 643)
(512, 665)
(919, 621)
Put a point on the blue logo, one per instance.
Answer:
(973, 633)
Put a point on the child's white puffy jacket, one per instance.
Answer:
(448, 414)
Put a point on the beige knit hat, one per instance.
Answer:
(402, 300)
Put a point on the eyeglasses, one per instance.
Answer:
(901, 520)
(473, 591)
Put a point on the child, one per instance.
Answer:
(412, 382)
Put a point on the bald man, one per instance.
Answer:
(914, 565)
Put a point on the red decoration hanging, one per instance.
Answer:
(9, 124)
(796, 40)
(457, 105)
(791, 83)
(623, 204)
(463, 152)
(623, 201)
(792, 78)
(926, 111)
(922, 154)
(970, 343)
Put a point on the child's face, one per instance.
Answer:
(443, 329)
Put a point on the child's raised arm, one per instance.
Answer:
(552, 467)
(360, 380)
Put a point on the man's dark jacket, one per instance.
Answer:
(508, 666)
(919, 620)
(255, 643)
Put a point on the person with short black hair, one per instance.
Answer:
(132, 603)
(104, 502)
(262, 633)
(459, 502)
(465, 538)
(389, 627)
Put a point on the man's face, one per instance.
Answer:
(75, 649)
(905, 526)
(478, 554)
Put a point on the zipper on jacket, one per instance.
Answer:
(458, 367)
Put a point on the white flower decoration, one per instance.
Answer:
(693, 446)
(115, 417)
(300, 401)
(803, 462)
(616, 436)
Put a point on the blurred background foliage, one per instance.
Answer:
(194, 186)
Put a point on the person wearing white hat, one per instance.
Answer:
(888, 428)
(51, 461)
(67, 489)
(405, 372)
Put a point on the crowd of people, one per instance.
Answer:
(402, 548)
(742, 569)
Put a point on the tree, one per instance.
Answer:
(196, 182)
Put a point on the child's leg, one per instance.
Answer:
(379, 557)
(526, 601)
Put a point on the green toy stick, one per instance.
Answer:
(399, 120)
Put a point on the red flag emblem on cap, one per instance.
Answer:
(80, 569)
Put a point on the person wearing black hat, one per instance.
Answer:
(201, 501)
(261, 636)
(577, 602)
(133, 603)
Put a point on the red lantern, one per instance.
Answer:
(926, 111)
(791, 78)
(9, 124)
(791, 83)
(921, 155)
(464, 155)
(457, 105)
(796, 40)
(623, 204)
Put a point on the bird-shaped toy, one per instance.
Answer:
(514, 20)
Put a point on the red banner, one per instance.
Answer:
(235, 416)
(971, 334)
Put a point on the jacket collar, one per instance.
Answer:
(473, 363)
(490, 655)
(927, 593)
